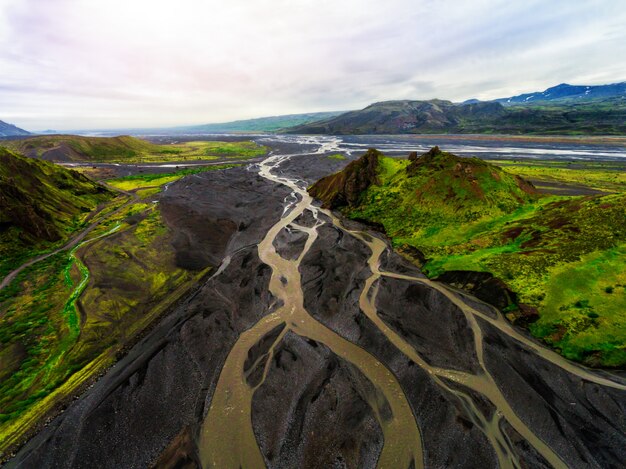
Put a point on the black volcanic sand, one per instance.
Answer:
(311, 410)
(584, 422)
(310, 168)
(320, 419)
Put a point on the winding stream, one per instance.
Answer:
(234, 444)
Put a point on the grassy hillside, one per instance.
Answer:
(67, 318)
(124, 149)
(600, 176)
(562, 257)
(606, 117)
(429, 192)
(40, 204)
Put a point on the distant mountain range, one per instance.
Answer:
(563, 109)
(250, 126)
(262, 124)
(9, 130)
(569, 93)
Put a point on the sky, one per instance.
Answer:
(107, 64)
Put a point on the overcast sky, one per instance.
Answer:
(81, 64)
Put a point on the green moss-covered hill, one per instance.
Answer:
(423, 193)
(558, 263)
(40, 203)
(125, 149)
(40, 199)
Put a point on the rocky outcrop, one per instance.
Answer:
(492, 290)
(424, 158)
(345, 187)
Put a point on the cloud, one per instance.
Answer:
(69, 64)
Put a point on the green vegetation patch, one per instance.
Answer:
(420, 201)
(142, 181)
(34, 335)
(584, 309)
(601, 176)
(127, 149)
(65, 318)
(61, 316)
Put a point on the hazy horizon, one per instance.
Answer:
(69, 65)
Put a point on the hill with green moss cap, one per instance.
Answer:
(554, 264)
(436, 186)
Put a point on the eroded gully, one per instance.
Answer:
(227, 438)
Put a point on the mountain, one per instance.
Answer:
(39, 200)
(565, 93)
(9, 130)
(439, 116)
(404, 117)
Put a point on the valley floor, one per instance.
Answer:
(307, 342)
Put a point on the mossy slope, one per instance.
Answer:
(41, 205)
(65, 318)
(41, 198)
(125, 149)
(465, 214)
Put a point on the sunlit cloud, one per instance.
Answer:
(72, 64)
